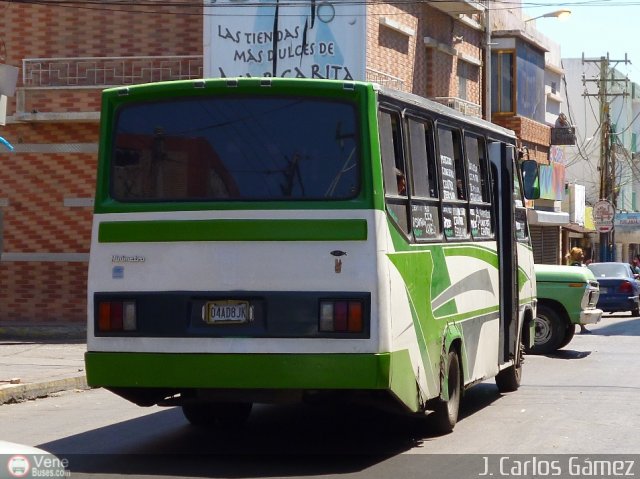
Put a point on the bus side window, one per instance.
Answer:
(425, 211)
(393, 167)
(422, 159)
(453, 183)
(480, 208)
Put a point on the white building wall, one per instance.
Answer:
(553, 85)
(584, 113)
(635, 148)
(621, 119)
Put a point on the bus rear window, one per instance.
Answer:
(213, 149)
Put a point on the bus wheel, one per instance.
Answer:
(508, 380)
(445, 412)
(217, 414)
(550, 331)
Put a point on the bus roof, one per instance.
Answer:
(233, 82)
(444, 110)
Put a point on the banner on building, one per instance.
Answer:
(276, 38)
(627, 219)
(552, 181)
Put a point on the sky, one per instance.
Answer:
(594, 28)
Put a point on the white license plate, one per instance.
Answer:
(231, 311)
(603, 290)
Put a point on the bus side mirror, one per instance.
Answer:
(530, 179)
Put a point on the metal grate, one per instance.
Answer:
(464, 106)
(545, 242)
(385, 79)
(108, 71)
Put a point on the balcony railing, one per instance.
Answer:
(108, 71)
(464, 106)
(456, 7)
(385, 79)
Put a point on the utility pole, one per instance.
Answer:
(607, 164)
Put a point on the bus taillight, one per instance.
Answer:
(116, 316)
(341, 316)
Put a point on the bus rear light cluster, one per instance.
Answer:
(114, 316)
(341, 316)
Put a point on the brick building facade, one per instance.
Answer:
(47, 183)
(430, 52)
(67, 54)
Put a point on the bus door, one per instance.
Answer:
(501, 159)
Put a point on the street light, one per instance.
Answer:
(557, 14)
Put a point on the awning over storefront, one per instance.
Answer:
(574, 228)
(550, 218)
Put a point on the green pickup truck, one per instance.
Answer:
(567, 296)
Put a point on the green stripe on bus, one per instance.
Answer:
(232, 230)
(244, 371)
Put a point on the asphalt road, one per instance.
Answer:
(582, 400)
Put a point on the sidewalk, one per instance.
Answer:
(38, 360)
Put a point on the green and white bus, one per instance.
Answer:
(266, 240)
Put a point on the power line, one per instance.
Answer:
(100, 5)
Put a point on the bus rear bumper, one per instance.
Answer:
(279, 371)
(149, 378)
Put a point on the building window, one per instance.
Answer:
(530, 81)
(462, 80)
(502, 91)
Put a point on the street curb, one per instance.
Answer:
(38, 332)
(24, 392)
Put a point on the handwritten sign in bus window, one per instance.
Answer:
(517, 194)
(521, 224)
(425, 222)
(448, 174)
(475, 183)
(481, 224)
(454, 222)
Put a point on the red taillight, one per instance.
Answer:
(625, 287)
(355, 317)
(104, 316)
(115, 316)
(341, 316)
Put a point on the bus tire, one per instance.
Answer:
(508, 380)
(550, 330)
(218, 414)
(445, 412)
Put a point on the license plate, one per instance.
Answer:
(230, 311)
(603, 290)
